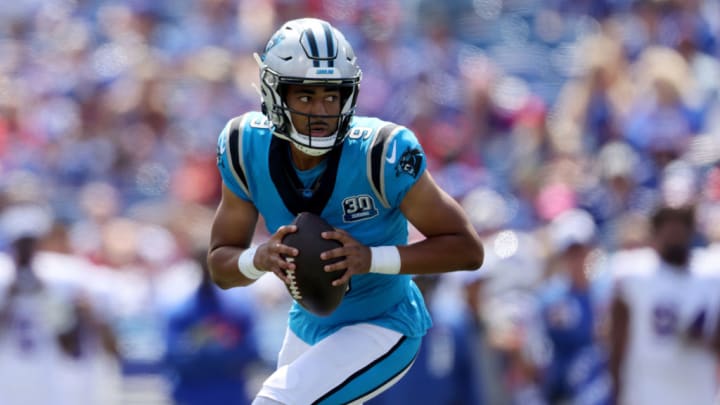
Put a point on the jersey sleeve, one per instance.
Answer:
(230, 159)
(404, 162)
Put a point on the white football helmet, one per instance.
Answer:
(308, 51)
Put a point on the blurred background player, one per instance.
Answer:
(576, 372)
(664, 333)
(48, 330)
(32, 316)
(447, 368)
(211, 345)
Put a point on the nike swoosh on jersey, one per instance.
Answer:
(393, 155)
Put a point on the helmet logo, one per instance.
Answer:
(276, 39)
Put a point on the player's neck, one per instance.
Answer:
(674, 267)
(304, 161)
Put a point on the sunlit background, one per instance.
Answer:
(527, 110)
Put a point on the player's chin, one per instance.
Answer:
(319, 133)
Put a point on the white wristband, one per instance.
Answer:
(246, 266)
(385, 260)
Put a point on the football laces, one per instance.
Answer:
(294, 289)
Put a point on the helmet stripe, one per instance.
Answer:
(314, 54)
(329, 39)
(319, 39)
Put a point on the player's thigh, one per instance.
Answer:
(265, 401)
(354, 364)
(292, 347)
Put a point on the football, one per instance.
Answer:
(309, 284)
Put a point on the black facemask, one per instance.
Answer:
(677, 255)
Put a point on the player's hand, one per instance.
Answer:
(357, 256)
(270, 255)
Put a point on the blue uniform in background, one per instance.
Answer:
(358, 188)
(210, 344)
(578, 368)
(443, 373)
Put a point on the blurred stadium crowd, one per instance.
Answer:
(554, 123)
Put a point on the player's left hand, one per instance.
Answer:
(357, 256)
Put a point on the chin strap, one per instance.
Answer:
(310, 151)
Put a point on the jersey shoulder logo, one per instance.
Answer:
(410, 162)
(220, 150)
(358, 208)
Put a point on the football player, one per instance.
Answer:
(307, 151)
(664, 335)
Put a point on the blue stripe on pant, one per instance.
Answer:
(376, 374)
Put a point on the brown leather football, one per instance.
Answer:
(310, 285)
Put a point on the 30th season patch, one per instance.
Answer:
(358, 208)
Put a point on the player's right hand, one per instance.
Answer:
(270, 256)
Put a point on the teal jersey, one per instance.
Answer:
(360, 190)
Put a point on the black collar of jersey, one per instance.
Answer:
(288, 183)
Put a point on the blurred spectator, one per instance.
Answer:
(509, 311)
(591, 107)
(631, 232)
(447, 368)
(515, 331)
(210, 345)
(92, 364)
(577, 371)
(489, 359)
(618, 190)
(663, 119)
